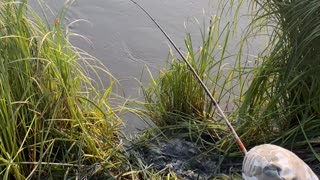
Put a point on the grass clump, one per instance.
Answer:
(176, 94)
(282, 103)
(178, 105)
(53, 122)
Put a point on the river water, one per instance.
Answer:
(126, 40)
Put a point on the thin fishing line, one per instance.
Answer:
(214, 102)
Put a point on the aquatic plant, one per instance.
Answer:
(177, 93)
(282, 103)
(53, 121)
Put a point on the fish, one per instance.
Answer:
(272, 162)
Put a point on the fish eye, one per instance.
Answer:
(271, 171)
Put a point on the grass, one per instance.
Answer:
(177, 104)
(54, 123)
(175, 100)
(283, 99)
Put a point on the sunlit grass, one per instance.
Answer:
(54, 124)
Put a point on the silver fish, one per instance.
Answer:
(271, 162)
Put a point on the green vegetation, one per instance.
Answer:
(54, 123)
(178, 105)
(177, 98)
(282, 103)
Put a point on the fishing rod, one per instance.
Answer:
(214, 102)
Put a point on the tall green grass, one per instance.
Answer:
(282, 103)
(54, 124)
(175, 99)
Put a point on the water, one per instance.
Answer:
(126, 40)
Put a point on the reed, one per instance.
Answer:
(282, 103)
(54, 123)
(175, 93)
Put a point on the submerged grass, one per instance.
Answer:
(54, 124)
